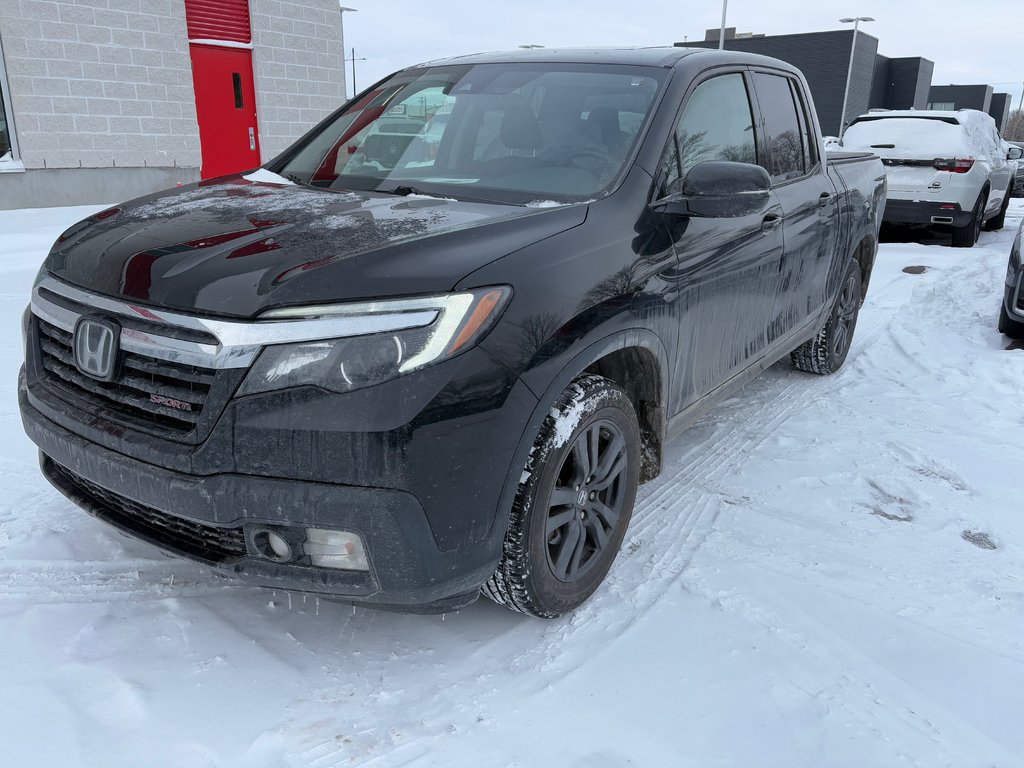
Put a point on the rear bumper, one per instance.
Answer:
(925, 212)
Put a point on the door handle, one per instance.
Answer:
(824, 200)
(771, 222)
(252, 139)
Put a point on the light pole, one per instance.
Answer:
(721, 32)
(354, 60)
(849, 72)
(344, 9)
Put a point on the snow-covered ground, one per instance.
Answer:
(829, 573)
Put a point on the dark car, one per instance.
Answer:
(399, 377)
(1011, 310)
(1018, 178)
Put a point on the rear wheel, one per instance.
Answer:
(1008, 326)
(827, 351)
(996, 222)
(967, 235)
(573, 504)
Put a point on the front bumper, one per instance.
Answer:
(424, 503)
(925, 212)
(1013, 294)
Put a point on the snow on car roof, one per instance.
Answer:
(921, 133)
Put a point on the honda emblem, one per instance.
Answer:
(95, 346)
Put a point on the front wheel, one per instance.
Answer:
(574, 502)
(1009, 327)
(827, 351)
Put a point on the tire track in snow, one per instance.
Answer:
(869, 690)
(691, 485)
(40, 582)
(678, 510)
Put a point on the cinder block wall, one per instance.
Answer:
(298, 66)
(101, 83)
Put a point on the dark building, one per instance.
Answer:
(1000, 109)
(824, 58)
(972, 97)
(907, 81)
(953, 97)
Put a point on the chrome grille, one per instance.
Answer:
(146, 391)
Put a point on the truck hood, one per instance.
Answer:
(237, 247)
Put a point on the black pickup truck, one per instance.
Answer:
(433, 348)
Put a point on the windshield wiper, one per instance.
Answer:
(294, 178)
(403, 191)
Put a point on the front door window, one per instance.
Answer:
(717, 124)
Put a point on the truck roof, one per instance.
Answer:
(661, 56)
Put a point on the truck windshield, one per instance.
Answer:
(518, 133)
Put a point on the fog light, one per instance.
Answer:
(273, 546)
(336, 549)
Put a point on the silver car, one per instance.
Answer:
(1018, 179)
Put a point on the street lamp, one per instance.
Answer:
(721, 32)
(353, 59)
(855, 20)
(343, 9)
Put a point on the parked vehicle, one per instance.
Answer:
(1018, 178)
(946, 168)
(1011, 311)
(401, 384)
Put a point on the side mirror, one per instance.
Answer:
(1015, 153)
(718, 189)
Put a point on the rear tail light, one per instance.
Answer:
(953, 165)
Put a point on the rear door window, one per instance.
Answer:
(784, 157)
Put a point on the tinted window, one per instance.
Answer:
(810, 150)
(716, 124)
(509, 132)
(785, 151)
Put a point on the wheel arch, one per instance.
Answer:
(864, 254)
(646, 382)
(637, 370)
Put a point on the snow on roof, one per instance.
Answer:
(910, 134)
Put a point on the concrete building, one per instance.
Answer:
(824, 58)
(104, 100)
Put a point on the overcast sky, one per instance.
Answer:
(970, 41)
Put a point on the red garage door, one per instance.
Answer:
(219, 41)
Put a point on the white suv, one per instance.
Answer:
(943, 168)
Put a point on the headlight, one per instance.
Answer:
(438, 328)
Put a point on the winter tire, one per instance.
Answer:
(1009, 327)
(967, 235)
(996, 222)
(573, 503)
(827, 351)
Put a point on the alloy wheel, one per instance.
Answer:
(587, 501)
(846, 313)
